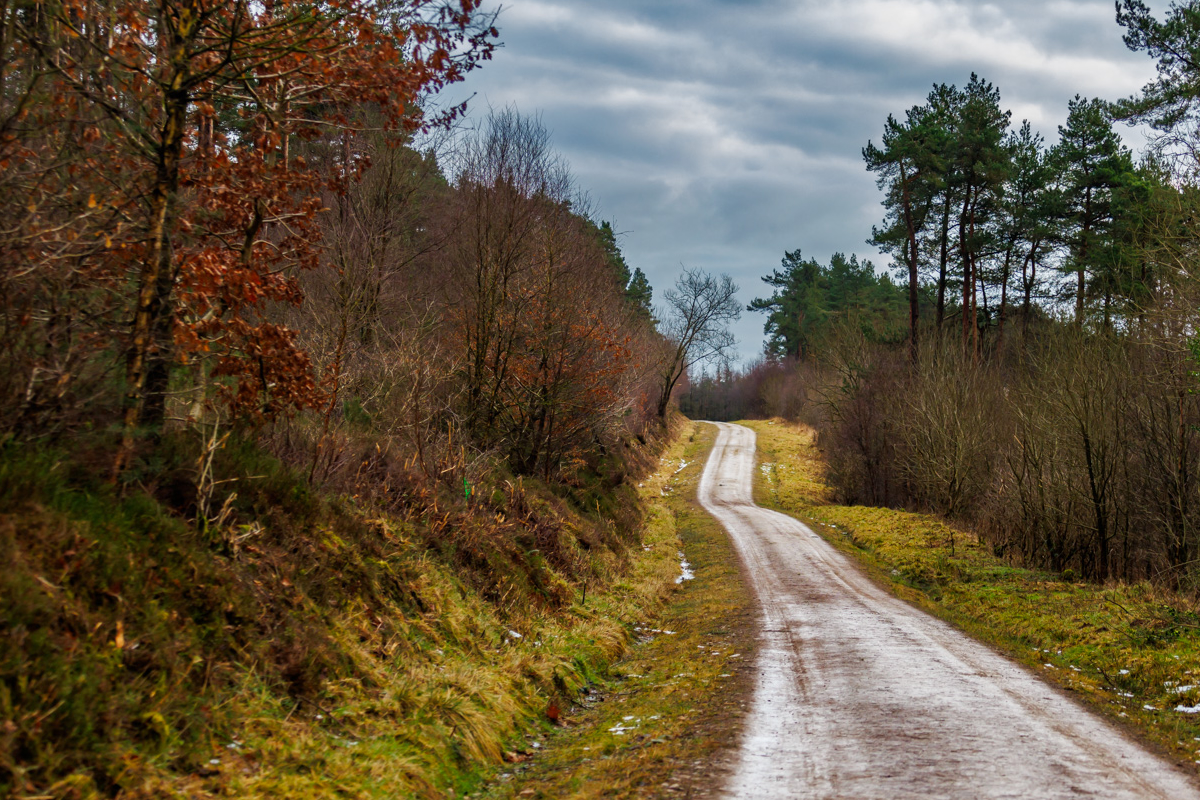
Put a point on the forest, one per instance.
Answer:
(274, 228)
(288, 343)
(326, 406)
(1032, 372)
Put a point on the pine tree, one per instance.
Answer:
(978, 166)
(1029, 212)
(908, 166)
(1094, 166)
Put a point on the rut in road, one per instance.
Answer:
(860, 695)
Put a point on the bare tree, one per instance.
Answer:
(949, 430)
(696, 326)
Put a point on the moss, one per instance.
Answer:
(316, 647)
(655, 723)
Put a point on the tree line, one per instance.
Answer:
(1033, 374)
(258, 218)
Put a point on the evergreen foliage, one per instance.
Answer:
(810, 299)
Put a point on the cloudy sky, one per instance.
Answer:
(719, 134)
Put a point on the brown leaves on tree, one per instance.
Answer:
(154, 206)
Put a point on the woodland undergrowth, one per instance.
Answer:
(312, 643)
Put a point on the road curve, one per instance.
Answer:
(860, 695)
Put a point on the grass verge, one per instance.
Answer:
(338, 650)
(1130, 651)
(659, 724)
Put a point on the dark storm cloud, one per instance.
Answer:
(719, 134)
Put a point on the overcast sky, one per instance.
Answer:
(720, 134)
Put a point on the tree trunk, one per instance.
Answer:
(147, 369)
(914, 311)
(974, 294)
(1029, 277)
(966, 270)
(945, 257)
(1012, 243)
(1082, 255)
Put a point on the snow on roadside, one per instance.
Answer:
(685, 570)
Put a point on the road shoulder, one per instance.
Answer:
(668, 717)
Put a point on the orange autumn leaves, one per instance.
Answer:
(156, 202)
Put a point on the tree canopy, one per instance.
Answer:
(811, 299)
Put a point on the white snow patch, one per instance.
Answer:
(685, 570)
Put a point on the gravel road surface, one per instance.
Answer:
(860, 695)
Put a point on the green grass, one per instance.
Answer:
(658, 723)
(336, 650)
(1127, 650)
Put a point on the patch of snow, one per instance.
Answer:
(685, 570)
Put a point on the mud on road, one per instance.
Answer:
(859, 695)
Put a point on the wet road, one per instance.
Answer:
(859, 695)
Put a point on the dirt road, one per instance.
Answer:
(859, 695)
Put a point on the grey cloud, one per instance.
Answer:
(719, 134)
